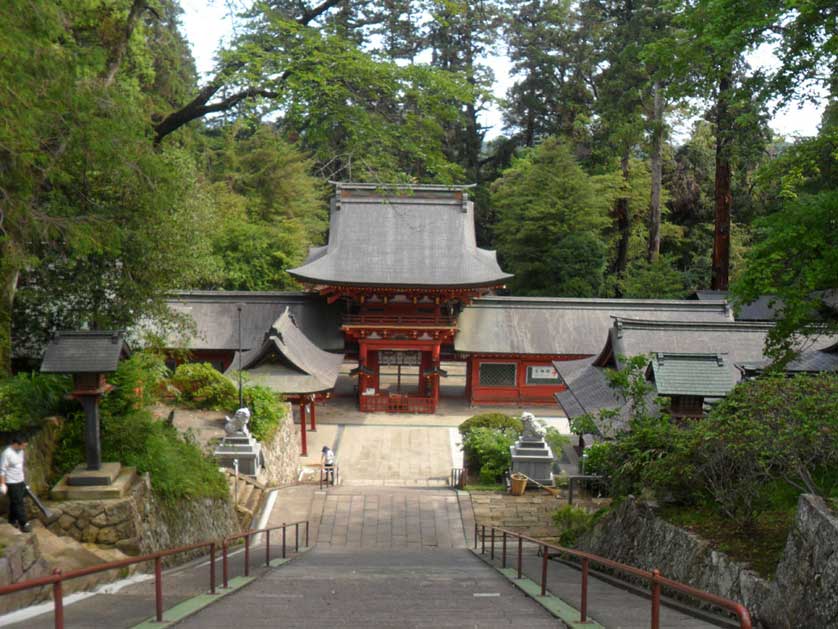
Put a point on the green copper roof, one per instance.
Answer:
(705, 375)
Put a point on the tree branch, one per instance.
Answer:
(118, 53)
(198, 108)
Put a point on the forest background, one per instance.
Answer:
(122, 177)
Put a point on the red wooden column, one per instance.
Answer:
(362, 362)
(313, 414)
(436, 367)
(303, 442)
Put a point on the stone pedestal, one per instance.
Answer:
(243, 447)
(534, 458)
(109, 482)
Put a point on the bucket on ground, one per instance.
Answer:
(519, 484)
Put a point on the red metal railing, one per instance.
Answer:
(412, 320)
(385, 403)
(656, 581)
(57, 578)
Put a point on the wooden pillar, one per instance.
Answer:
(313, 414)
(362, 362)
(303, 439)
(435, 379)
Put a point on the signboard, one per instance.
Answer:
(390, 357)
(543, 373)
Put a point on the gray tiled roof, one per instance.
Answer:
(704, 375)
(742, 341)
(588, 392)
(215, 316)
(552, 326)
(417, 236)
(85, 352)
(814, 361)
(764, 308)
(289, 362)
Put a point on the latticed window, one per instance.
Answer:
(497, 374)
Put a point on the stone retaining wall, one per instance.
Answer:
(531, 513)
(281, 454)
(141, 523)
(21, 560)
(804, 592)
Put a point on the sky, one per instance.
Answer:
(207, 24)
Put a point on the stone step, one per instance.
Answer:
(253, 501)
(245, 489)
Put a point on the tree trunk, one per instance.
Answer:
(9, 272)
(623, 220)
(723, 196)
(656, 165)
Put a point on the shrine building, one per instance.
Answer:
(401, 287)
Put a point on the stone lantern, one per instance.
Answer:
(89, 356)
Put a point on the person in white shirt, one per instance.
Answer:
(12, 482)
(327, 461)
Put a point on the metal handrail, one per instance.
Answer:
(57, 577)
(654, 577)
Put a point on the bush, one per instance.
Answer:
(178, 467)
(136, 383)
(556, 440)
(572, 522)
(202, 386)
(488, 450)
(266, 410)
(27, 398)
(491, 420)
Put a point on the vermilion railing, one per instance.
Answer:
(57, 578)
(385, 403)
(656, 581)
(420, 320)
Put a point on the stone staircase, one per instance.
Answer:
(249, 498)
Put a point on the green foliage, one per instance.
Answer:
(202, 386)
(653, 280)
(178, 467)
(266, 411)
(556, 440)
(27, 398)
(583, 425)
(572, 522)
(795, 258)
(488, 450)
(491, 420)
(542, 200)
(136, 383)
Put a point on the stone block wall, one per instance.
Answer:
(21, 560)
(531, 513)
(282, 454)
(804, 592)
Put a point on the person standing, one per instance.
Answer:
(12, 482)
(327, 461)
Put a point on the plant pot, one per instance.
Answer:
(519, 484)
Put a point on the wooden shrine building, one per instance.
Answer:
(403, 261)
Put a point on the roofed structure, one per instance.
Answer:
(215, 315)
(568, 326)
(699, 375)
(588, 392)
(742, 341)
(93, 352)
(764, 308)
(815, 361)
(288, 362)
(401, 236)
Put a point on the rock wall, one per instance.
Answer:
(141, 523)
(21, 560)
(803, 594)
(281, 454)
(531, 513)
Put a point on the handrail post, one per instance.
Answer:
(283, 540)
(296, 537)
(212, 568)
(158, 587)
(520, 553)
(268, 547)
(58, 600)
(224, 568)
(306, 533)
(246, 555)
(492, 551)
(583, 607)
(656, 599)
(475, 535)
(482, 539)
(544, 571)
(503, 552)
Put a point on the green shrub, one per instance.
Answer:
(202, 386)
(27, 398)
(266, 410)
(488, 450)
(136, 383)
(556, 440)
(572, 522)
(178, 467)
(491, 420)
